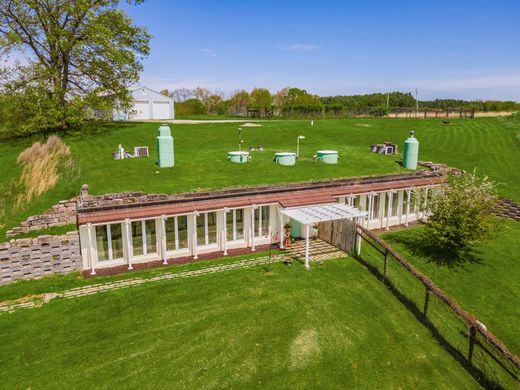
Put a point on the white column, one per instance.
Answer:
(163, 240)
(282, 231)
(389, 207)
(370, 206)
(253, 228)
(307, 234)
(195, 214)
(224, 230)
(409, 199)
(91, 260)
(128, 236)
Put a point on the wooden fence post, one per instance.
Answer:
(385, 269)
(426, 302)
(472, 339)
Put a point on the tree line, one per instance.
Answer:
(294, 102)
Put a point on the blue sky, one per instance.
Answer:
(456, 49)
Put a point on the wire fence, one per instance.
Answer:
(480, 352)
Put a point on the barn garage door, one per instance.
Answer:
(141, 110)
(161, 110)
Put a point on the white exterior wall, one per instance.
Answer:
(382, 219)
(148, 105)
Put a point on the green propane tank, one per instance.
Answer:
(165, 156)
(411, 152)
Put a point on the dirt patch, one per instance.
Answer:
(304, 348)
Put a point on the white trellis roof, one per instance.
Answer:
(309, 215)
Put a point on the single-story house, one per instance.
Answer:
(165, 227)
(147, 104)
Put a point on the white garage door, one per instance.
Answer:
(161, 110)
(141, 110)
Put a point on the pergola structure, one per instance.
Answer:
(311, 215)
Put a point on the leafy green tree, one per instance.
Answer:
(189, 107)
(239, 102)
(261, 98)
(460, 217)
(80, 54)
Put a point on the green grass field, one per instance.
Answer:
(201, 156)
(335, 326)
(490, 289)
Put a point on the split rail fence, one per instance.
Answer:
(466, 338)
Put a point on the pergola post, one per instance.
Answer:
(307, 234)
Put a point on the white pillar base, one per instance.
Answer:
(92, 272)
(130, 267)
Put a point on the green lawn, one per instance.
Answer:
(335, 326)
(201, 156)
(490, 290)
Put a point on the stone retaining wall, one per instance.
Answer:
(32, 258)
(64, 213)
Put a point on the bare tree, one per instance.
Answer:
(182, 94)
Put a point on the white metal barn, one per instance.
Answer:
(146, 105)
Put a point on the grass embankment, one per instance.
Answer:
(201, 156)
(334, 326)
(489, 289)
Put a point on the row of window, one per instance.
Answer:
(417, 197)
(109, 238)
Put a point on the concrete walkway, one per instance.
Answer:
(319, 252)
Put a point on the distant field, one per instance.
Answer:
(201, 156)
(335, 326)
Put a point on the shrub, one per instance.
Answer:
(42, 164)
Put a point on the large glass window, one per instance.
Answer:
(235, 225)
(395, 203)
(102, 242)
(375, 206)
(177, 232)
(109, 242)
(144, 237)
(261, 224)
(207, 228)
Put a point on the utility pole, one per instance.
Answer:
(416, 104)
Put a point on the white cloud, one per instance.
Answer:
(209, 52)
(302, 47)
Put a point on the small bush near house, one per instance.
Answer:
(461, 217)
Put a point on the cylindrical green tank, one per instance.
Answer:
(327, 156)
(285, 158)
(238, 157)
(165, 156)
(411, 152)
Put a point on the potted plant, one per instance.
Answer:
(314, 231)
(287, 237)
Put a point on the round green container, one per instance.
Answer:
(238, 157)
(285, 158)
(411, 152)
(327, 156)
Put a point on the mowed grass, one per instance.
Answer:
(335, 326)
(490, 289)
(201, 156)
